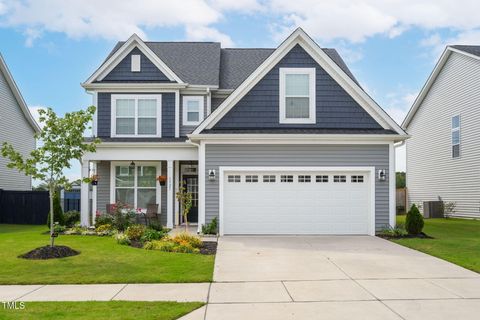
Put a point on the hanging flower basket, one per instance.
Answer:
(94, 179)
(162, 180)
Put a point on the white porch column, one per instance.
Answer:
(170, 194)
(177, 180)
(201, 186)
(84, 209)
(94, 194)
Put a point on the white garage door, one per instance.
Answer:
(296, 202)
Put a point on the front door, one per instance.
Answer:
(191, 184)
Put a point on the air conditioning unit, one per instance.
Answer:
(433, 209)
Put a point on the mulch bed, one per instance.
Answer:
(136, 244)
(209, 247)
(408, 236)
(48, 252)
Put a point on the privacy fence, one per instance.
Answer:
(24, 207)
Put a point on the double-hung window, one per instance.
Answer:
(136, 115)
(192, 110)
(455, 136)
(135, 185)
(297, 95)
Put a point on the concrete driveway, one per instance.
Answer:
(335, 277)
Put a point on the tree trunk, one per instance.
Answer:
(52, 238)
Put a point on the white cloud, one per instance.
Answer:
(109, 19)
(35, 114)
(399, 104)
(249, 6)
(201, 33)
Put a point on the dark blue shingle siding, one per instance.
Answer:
(148, 71)
(104, 114)
(260, 107)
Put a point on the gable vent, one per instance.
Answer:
(135, 63)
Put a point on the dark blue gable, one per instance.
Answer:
(259, 108)
(148, 71)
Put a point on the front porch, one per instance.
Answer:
(138, 178)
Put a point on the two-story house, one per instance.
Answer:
(269, 141)
(443, 160)
(17, 127)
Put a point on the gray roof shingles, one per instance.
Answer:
(205, 63)
(475, 50)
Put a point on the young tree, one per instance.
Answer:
(185, 199)
(62, 141)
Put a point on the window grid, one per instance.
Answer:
(339, 178)
(297, 95)
(456, 136)
(249, 178)
(269, 178)
(321, 179)
(136, 115)
(304, 178)
(357, 179)
(286, 178)
(234, 178)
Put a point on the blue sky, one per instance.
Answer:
(51, 46)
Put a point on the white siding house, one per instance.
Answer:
(17, 127)
(443, 153)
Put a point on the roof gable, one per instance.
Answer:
(299, 37)
(259, 108)
(117, 57)
(470, 51)
(18, 96)
(148, 70)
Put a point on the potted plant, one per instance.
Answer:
(94, 179)
(162, 180)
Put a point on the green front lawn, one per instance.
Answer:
(456, 240)
(101, 260)
(104, 310)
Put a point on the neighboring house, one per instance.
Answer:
(270, 141)
(17, 127)
(443, 159)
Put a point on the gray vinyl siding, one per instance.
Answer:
(335, 108)
(15, 129)
(104, 114)
(103, 189)
(148, 71)
(103, 186)
(216, 102)
(184, 130)
(298, 155)
(431, 170)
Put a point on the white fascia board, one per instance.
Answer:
(301, 38)
(143, 153)
(18, 95)
(138, 87)
(431, 80)
(334, 138)
(142, 144)
(132, 42)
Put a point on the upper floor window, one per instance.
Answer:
(192, 110)
(136, 115)
(455, 136)
(297, 95)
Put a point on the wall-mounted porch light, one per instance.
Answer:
(132, 165)
(382, 175)
(212, 175)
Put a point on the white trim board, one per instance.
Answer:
(301, 38)
(431, 80)
(368, 170)
(122, 52)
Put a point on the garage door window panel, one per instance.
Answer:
(340, 179)
(234, 178)
(286, 178)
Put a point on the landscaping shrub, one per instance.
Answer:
(71, 218)
(398, 231)
(135, 232)
(57, 211)
(57, 228)
(170, 246)
(414, 221)
(123, 216)
(210, 228)
(157, 226)
(104, 230)
(122, 239)
(186, 239)
(102, 219)
(151, 234)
